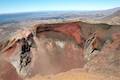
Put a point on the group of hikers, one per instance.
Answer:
(25, 55)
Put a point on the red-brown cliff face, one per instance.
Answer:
(69, 29)
(61, 47)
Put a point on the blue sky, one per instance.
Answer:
(13, 6)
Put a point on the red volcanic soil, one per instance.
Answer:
(7, 71)
(70, 29)
(73, 30)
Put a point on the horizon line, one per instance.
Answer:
(22, 12)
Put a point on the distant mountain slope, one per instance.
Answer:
(102, 15)
(113, 18)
